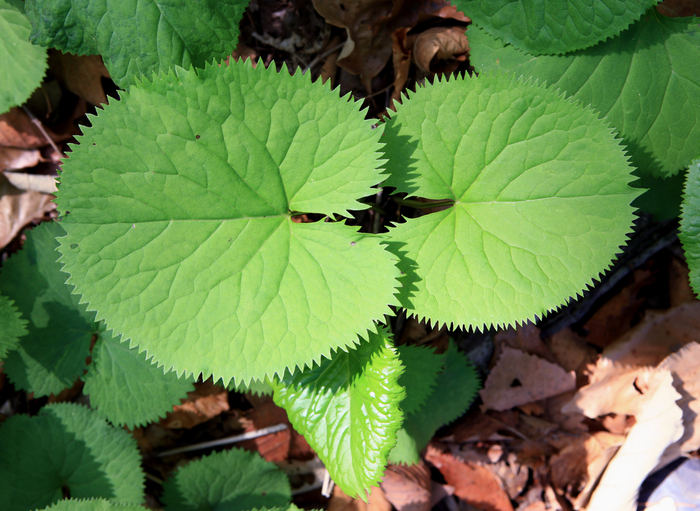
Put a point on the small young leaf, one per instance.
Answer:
(646, 82)
(126, 388)
(690, 224)
(66, 450)
(12, 326)
(422, 368)
(554, 27)
(22, 65)
(233, 480)
(455, 390)
(92, 505)
(186, 244)
(348, 410)
(52, 354)
(141, 37)
(541, 192)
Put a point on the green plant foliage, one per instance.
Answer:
(554, 27)
(140, 37)
(646, 82)
(233, 480)
(127, 389)
(260, 388)
(66, 449)
(92, 505)
(422, 368)
(455, 390)
(662, 197)
(348, 410)
(22, 65)
(180, 233)
(52, 354)
(12, 326)
(690, 224)
(541, 192)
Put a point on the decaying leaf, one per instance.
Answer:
(32, 182)
(341, 502)
(659, 424)
(82, 75)
(11, 158)
(519, 378)
(206, 402)
(18, 208)
(408, 487)
(569, 349)
(17, 130)
(440, 44)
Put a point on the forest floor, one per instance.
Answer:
(560, 398)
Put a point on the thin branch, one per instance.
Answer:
(38, 124)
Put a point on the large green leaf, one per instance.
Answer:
(348, 410)
(180, 232)
(66, 450)
(12, 326)
(690, 224)
(455, 390)
(22, 65)
(141, 37)
(646, 82)
(554, 26)
(52, 354)
(233, 480)
(92, 505)
(541, 200)
(126, 388)
(422, 368)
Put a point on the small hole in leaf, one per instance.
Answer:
(73, 246)
(197, 137)
(515, 383)
(94, 143)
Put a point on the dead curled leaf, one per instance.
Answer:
(80, 74)
(18, 208)
(439, 44)
(519, 378)
(408, 488)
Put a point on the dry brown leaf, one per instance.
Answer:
(473, 483)
(569, 349)
(519, 378)
(18, 208)
(82, 75)
(441, 44)
(524, 338)
(339, 501)
(17, 130)
(659, 424)
(204, 403)
(12, 159)
(32, 182)
(408, 488)
(679, 283)
(401, 58)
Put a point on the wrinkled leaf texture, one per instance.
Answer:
(12, 326)
(180, 231)
(91, 505)
(541, 200)
(690, 224)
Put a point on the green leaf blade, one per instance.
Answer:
(542, 200)
(66, 445)
(22, 65)
(348, 410)
(232, 480)
(190, 250)
(690, 224)
(140, 38)
(91, 505)
(12, 326)
(553, 27)
(420, 377)
(645, 82)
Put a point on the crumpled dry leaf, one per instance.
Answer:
(82, 75)
(519, 378)
(570, 349)
(341, 502)
(473, 483)
(440, 43)
(18, 208)
(408, 488)
(204, 403)
(659, 424)
(17, 130)
(32, 182)
(370, 25)
(12, 159)
(524, 338)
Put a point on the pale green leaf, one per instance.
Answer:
(126, 388)
(348, 410)
(422, 366)
(12, 326)
(66, 449)
(541, 200)
(554, 26)
(646, 83)
(257, 387)
(233, 480)
(52, 354)
(22, 65)
(92, 505)
(455, 390)
(690, 224)
(141, 37)
(180, 232)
